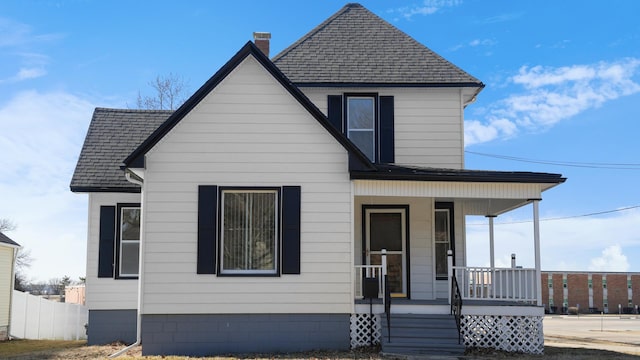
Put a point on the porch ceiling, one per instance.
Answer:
(485, 207)
(479, 198)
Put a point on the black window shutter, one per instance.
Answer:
(291, 229)
(207, 228)
(334, 111)
(387, 145)
(106, 241)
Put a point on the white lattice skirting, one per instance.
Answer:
(503, 332)
(362, 331)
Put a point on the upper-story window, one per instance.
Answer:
(361, 124)
(367, 120)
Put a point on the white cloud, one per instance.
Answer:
(427, 7)
(612, 259)
(16, 34)
(19, 39)
(41, 137)
(477, 132)
(553, 94)
(26, 74)
(481, 42)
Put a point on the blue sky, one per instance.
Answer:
(562, 84)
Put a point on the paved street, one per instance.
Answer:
(609, 332)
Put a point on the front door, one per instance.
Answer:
(386, 228)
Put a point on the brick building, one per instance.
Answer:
(591, 292)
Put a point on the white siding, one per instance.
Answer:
(106, 293)
(6, 263)
(248, 131)
(428, 123)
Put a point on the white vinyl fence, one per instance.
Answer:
(33, 317)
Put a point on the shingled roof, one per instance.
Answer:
(354, 46)
(4, 239)
(113, 134)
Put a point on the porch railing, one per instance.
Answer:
(368, 271)
(506, 284)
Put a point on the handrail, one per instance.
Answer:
(387, 304)
(456, 304)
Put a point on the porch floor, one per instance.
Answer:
(468, 302)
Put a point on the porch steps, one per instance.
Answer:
(421, 334)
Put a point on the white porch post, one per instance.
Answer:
(383, 262)
(491, 239)
(450, 271)
(536, 240)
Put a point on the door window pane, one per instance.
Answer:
(385, 231)
(394, 270)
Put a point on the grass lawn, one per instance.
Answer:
(48, 349)
(21, 347)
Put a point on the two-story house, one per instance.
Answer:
(248, 219)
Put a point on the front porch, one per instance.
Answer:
(411, 261)
(495, 310)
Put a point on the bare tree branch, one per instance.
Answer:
(170, 93)
(7, 225)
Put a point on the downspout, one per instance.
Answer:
(132, 178)
(13, 286)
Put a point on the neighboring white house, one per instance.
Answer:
(8, 254)
(245, 220)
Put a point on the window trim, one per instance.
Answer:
(449, 206)
(118, 240)
(376, 120)
(278, 235)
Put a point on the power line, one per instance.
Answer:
(592, 165)
(565, 217)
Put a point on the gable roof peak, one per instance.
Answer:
(136, 158)
(355, 46)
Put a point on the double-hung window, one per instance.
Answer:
(249, 234)
(361, 124)
(129, 241)
(443, 232)
(367, 120)
(119, 241)
(246, 231)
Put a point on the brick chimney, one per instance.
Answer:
(261, 39)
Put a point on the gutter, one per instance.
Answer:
(136, 180)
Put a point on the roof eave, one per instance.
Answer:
(104, 189)
(494, 178)
(478, 85)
